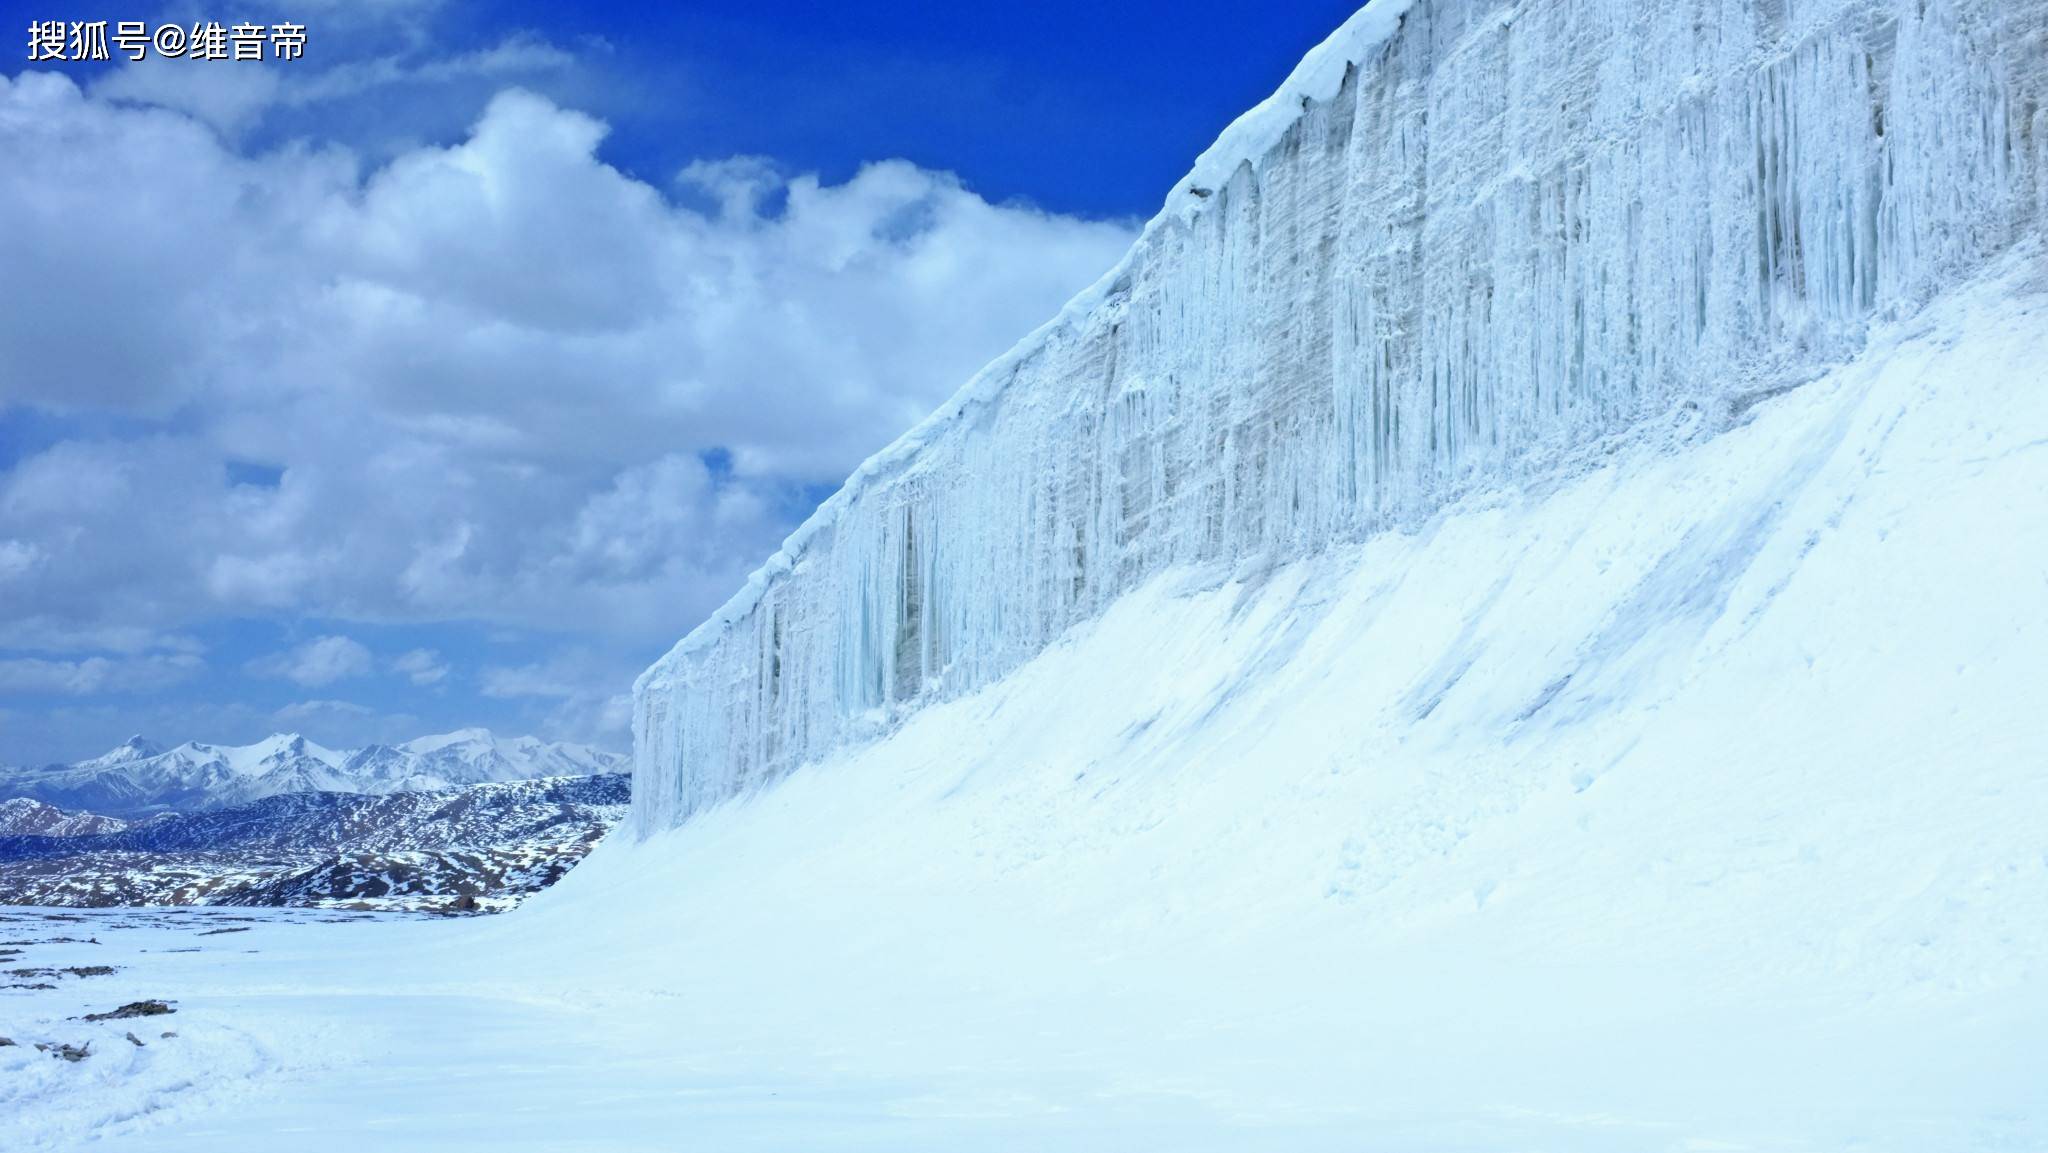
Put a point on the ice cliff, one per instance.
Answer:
(1465, 240)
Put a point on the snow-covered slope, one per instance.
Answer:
(140, 777)
(21, 817)
(1468, 241)
(1692, 801)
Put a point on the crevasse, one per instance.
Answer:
(1465, 237)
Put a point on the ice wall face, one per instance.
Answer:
(1465, 241)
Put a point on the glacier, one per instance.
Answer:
(1465, 247)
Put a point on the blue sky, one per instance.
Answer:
(448, 375)
(1080, 107)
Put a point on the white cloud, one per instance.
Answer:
(17, 557)
(491, 374)
(49, 635)
(488, 371)
(233, 100)
(583, 693)
(518, 55)
(228, 99)
(320, 661)
(300, 712)
(421, 666)
(96, 675)
(532, 680)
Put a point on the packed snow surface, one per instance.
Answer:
(1691, 800)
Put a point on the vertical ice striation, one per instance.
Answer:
(1466, 236)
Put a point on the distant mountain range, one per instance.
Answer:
(20, 816)
(470, 849)
(141, 779)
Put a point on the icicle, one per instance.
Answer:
(1490, 233)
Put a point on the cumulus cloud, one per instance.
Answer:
(495, 381)
(320, 661)
(490, 375)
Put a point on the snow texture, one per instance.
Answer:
(1466, 242)
(1692, 801)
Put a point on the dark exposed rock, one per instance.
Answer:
(133, 1009)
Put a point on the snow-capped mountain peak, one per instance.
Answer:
(439, 741)
(141, 777)
(279, 750)
(135, 748)
(474, 756)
